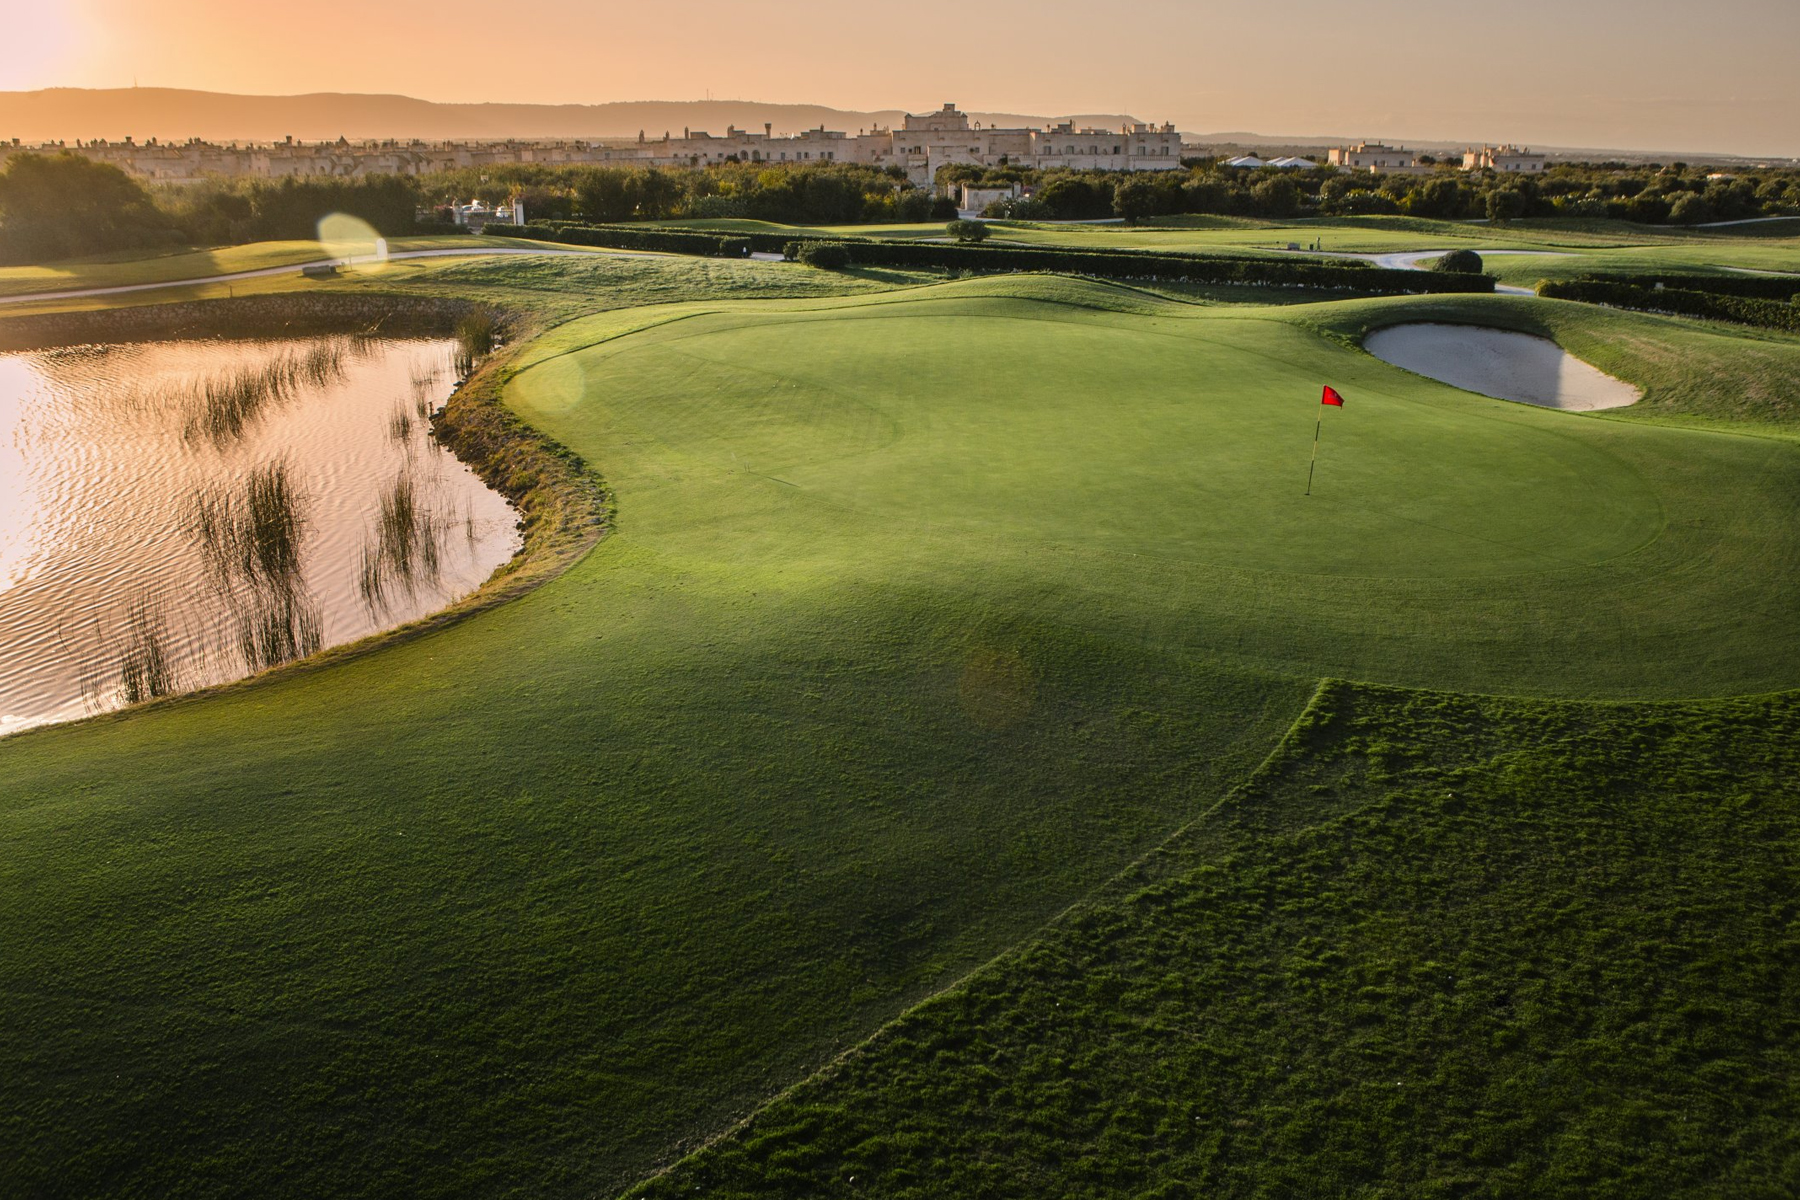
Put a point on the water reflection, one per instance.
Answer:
(182, 513)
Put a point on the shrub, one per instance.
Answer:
(967, 231)
(827, 256)
(1019, 208)
(1459, 262)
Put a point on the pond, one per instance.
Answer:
(179, 514)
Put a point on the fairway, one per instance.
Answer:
(1103, 453)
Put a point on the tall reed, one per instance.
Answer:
(405, 547)
(221, 407)
(476, 336)
(146, 668)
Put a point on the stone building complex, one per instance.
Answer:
(920, 146)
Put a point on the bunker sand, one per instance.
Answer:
(1501, 364)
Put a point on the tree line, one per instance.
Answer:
(64, 206)
(1651, 194)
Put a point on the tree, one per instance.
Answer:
(1134, 199)
(967, 231)
(1505, 204)
(1276, 197)
(57, 206)
(1441, 198)
(1690, 208)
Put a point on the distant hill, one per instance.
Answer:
(177, 114)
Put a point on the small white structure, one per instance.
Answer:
(1509, 160)
(1247, 160)
(475, 215)
(970, 198)
(1292, 164)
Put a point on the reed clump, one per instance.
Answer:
(405, 547)
(221, 407)
(147, 669)
(477, 333)
(254, 537)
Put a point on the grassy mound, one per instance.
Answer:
(1142, 465)
(1440, 946)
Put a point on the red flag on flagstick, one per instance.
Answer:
(1328, 396)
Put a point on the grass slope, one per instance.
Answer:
(1442, 946)
(926, 612)
(518, 906)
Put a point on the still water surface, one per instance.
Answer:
(177, 514)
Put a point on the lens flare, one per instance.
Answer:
(351, 239)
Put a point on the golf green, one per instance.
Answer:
(1108, 454)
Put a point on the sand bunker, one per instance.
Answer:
(1498, 363)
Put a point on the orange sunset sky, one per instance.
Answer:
(1647, 74)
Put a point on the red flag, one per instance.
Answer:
(1331, 397)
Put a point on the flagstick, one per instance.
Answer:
(1315, 453)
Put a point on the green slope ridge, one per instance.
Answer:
(1440, 946)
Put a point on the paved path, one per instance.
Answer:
(1741, 221)
(1409, 260)
(294, 268)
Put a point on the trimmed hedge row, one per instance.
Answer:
(1105, 264)
(1743, 310)
(626, 237)
(1188, 268)
(1755, 287)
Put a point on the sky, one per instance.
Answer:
(1631, 74)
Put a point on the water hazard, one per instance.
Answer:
(178, 514)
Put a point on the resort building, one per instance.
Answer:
(1376, 158)
(920, 146)
(1505, 159)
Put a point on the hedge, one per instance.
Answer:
(1755, 287)
(1106, 264)
(1768, 314)
(624, 237)
(1188, 268)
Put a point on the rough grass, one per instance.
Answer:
(1441, 946)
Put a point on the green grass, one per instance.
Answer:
(131, 267)
(879, 439)
(1441, 946)
(927, 610)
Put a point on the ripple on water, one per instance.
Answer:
(177, 514)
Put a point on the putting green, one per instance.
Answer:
(1101, 452)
